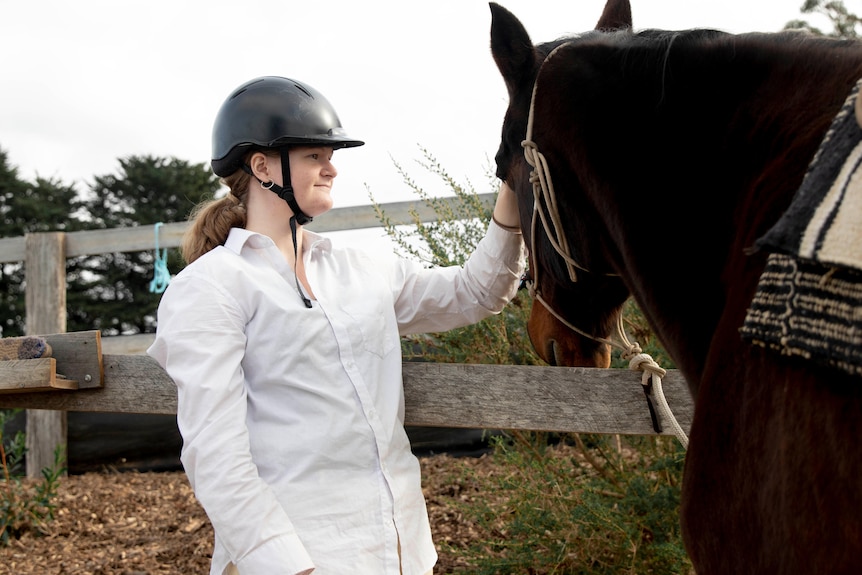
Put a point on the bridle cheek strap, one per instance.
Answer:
(544, 194)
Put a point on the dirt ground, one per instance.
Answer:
(151, 524)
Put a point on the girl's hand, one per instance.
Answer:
(506, 210)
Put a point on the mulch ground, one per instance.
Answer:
(135, 523)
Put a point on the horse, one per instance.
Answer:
(654, 161)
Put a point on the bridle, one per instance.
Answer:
(544, 194)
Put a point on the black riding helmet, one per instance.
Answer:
(271, 112)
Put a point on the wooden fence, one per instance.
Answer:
(581, 400)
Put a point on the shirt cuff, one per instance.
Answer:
(284, 554)
(505, 246)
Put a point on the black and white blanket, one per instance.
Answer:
(809, 299)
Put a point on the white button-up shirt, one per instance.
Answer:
(293, 418)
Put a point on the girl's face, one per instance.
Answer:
(312, 175)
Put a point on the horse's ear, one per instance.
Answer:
(511, 47)
(617, 15)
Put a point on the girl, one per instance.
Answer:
(286, 352)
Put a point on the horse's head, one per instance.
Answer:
(569, 317)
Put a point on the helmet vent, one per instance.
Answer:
(307, 93)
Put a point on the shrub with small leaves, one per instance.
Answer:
(571, 504)
(449, 240)
(25, 505)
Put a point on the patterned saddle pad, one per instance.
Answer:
(809, 298)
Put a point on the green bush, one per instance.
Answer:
(449, 240)
(592, 504)
(25, 505)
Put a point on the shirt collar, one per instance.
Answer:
(239, 237)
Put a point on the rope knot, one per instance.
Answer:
(531, 151)
(652, 386)
(631, 349)
(644, 362)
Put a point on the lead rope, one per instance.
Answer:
(638, 361)
(650, 380)
(543, 192)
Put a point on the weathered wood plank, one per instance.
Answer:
(24, 347)
(13, 249)
(136, 344)
(79, 356)
(133, 384)
(45, 277)
(32, 375)
(142, 238)
(45, 302)
(132, 239)
(22, 374)
(581, 400)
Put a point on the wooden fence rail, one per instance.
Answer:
(564, 399)
(141, 238)
(436, 394)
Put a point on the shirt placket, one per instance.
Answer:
(372, 416)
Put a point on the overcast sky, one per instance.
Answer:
(85, 82)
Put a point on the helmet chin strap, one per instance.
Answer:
(284, 192)
(299, 217)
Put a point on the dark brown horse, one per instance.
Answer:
(670, 154)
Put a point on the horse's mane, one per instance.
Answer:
(641, 45)
(733, 61)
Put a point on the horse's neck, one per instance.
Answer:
(771, 137)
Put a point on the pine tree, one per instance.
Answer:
(46, 205)
(111, 291)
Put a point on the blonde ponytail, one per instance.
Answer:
(212, 220)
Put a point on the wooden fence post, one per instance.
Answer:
(45, 277)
